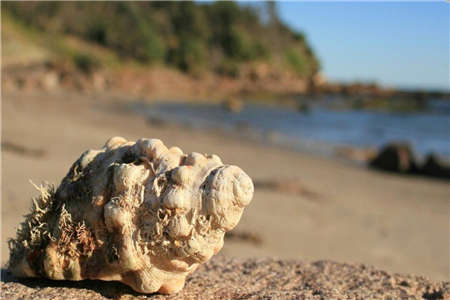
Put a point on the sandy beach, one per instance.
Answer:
(335, 211)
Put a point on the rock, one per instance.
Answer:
(435, 167)
(319, 79)
(395, 157)
(233, 105)
(135, 212)
(99, 81)
(50, 80)
(303, 107)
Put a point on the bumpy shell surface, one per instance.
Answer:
(135, 212)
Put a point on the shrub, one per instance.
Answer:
(297, 61)
(85, 63)
(188, 35)
(228, 68)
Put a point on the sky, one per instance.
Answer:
(403, 45)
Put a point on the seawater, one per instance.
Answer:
(320, 129)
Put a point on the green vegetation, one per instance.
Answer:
(193, 37)
(297, 60)
(27, 45)
(85, 62)
(390, 104)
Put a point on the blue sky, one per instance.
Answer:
(392, 43)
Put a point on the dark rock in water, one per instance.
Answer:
(233, 105)
(435, 167)
(303, 108)
(399, 158)
(395, 157)
(157, 122)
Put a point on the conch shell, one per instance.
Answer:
(135, 212)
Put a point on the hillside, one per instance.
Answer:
(220, 37)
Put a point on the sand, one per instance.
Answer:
(347, 214)
(226, 278)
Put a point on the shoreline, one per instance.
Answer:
(153, 82)
(246, 124)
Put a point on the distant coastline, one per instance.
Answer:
(375, 90)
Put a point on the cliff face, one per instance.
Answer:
(223, 38)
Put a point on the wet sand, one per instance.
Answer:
(347, 214)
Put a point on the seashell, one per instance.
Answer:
(139, 213)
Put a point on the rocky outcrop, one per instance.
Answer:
(395, 157)
(436, 167)
(399, 158)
